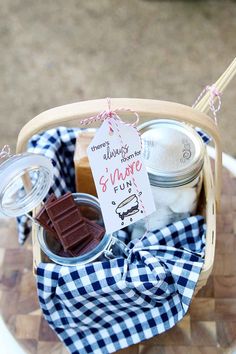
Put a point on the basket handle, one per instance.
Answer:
(144, 107)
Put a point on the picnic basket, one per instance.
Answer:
(147, 110)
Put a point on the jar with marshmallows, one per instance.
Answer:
(173, 153)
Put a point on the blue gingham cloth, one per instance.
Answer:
(106, 306)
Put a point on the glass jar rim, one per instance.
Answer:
(15, 199)
(79, 260)
(87, 257)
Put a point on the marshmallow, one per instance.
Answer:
(186, 202)
(165, 196)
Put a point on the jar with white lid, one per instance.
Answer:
(173, 153)
(25, 180)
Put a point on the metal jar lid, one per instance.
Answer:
(18, 171)
(173, 152)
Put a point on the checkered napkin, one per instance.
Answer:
(105, 306)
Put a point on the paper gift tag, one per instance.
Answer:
(119, 174)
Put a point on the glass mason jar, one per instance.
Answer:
(25, 180)
(109, 247)
(173, 153)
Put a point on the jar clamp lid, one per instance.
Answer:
(15, 198)
(173, 152)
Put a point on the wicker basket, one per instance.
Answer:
(147, 109)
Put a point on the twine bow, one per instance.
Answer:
(111, 113)
(215, 94)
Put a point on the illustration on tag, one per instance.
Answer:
(128, 207)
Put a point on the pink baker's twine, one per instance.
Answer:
(214, 93)
(109, 114)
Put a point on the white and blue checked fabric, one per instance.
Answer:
(106, 306)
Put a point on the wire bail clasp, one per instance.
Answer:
(5, 153)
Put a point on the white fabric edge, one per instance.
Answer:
(8, 344)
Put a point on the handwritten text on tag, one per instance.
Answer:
(119, 174)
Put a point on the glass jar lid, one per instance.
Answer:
(25, 180)
(173, 152)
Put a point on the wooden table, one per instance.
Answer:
(209, 327)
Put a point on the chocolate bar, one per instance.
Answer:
(43, 218)
(84, 248)
(68, 222)
(75, 234)
(97, 233)
(95, 230)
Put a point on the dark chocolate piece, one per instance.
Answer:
(43, 218)
(68, 222)
(87, 245)
(84, 248)
(95, 230)
(62, 219)
(90, 212)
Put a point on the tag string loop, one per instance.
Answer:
(111, 113)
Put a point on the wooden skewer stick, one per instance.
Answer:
(220, 85)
